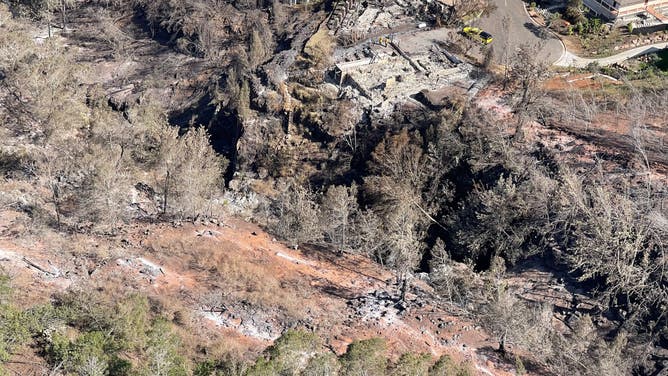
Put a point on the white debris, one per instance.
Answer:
(150, 268)
(293, 259)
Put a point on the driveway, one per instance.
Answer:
(571, 60)
(520, 31)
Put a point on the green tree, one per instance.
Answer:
(131, 321)
(13, 332)
(288, 356)
(410, 364)
(575, 12)
(446, 366)
(92, 353)
(326, 364)
(163, 352)
(365, 358)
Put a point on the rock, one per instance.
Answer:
(150, 268)
(235, 185)
(121, 262)
(329, 91)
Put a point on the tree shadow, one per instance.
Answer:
(325, 254)
(339, 292)
(538, 31)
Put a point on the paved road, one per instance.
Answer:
(521, 31)
(571, 60)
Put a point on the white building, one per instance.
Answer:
(617, 10)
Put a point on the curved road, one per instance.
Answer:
(570, 60)
(521, 30)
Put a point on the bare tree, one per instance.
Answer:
(107, 196)
(339, 210)
(48, 7)
(514, 322)
(188, 172)
(92, 366)
(612, 237)
(369, 236)
(505, 55)
(59, 173)
(468, 9)
(401, 170)
(47, 85)
(525, 74)
(297, 215)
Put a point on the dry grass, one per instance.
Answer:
(319, 47)
(238, 274)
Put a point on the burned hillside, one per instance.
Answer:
(302, 188)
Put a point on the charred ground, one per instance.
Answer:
(529, 204)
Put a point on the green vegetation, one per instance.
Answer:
(446, 366)
(365, 357)
(90, 353)
(662, 60)
(412, 365)
(575, 12)
(648, 68)
(83, 335)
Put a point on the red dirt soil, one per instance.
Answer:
(262, 286)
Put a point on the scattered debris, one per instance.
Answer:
(208, 233)
(55, 273)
